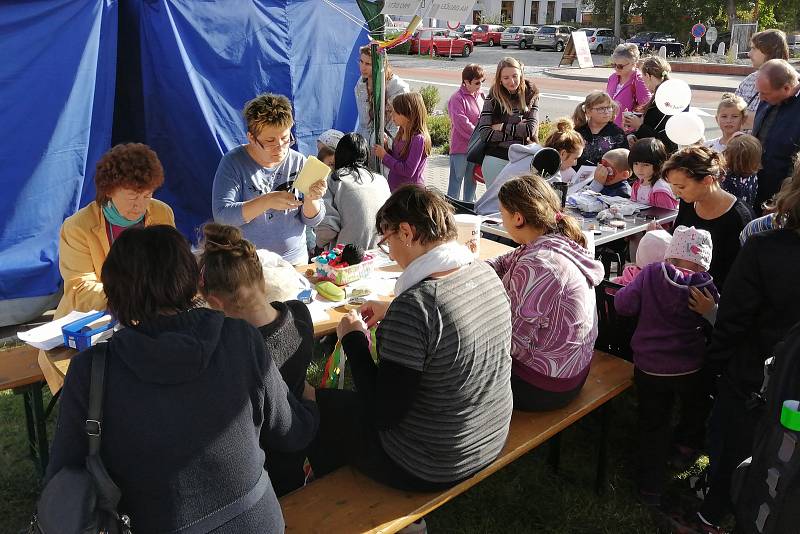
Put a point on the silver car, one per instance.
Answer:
(553, 37)
(601, 40)
(521, 36)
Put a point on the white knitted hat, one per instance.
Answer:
(691, 244)
(330, 138)
(652, 247)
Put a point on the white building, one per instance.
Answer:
(522, 12)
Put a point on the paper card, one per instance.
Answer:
(582, 178)
(312, 172)
(49, 336)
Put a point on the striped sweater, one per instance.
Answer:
(519, 127)
(461, 344)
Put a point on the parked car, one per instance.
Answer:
(521, 36)
(794, 42)
(465, 30)
(489, 34)
(674, 48)
(600, 39)
(443, 43)
(643, 38)
(553, 37)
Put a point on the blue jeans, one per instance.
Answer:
(461, 170)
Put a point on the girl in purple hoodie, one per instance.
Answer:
(669, 347)
(550, 281)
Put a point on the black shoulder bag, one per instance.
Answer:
(84, 500)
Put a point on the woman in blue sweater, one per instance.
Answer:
(188, 394)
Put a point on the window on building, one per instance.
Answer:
(534, 12)
(507, 11)
(569, 14)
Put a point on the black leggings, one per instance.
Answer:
(345, 436)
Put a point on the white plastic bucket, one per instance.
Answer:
(469, 232)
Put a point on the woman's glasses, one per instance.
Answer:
(284, 141)
(619, 66)
(383, 244)
(603, 109)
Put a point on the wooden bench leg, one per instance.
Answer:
(36, 425)
(554, 452)
(602, 451)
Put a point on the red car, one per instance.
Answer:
(444, 43)
(487, 34)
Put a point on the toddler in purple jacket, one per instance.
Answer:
(668, 352)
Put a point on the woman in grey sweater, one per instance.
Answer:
(354, 196)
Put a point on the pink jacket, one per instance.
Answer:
(659, 196)
(630, 96)
(553, 328)
(464, 110)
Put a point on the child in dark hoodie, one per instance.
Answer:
(668, 352)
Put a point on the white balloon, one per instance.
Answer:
(685, 128)
(673, 96)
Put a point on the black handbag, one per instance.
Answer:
(476, 148)
(84, 500)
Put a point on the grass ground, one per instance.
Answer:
(525, 497)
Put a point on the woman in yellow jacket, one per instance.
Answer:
(125, 179)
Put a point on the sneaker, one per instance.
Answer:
(417, 527)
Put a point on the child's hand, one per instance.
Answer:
(701, 301)
(309, 393)
(317, 190)
(498, 127)
(601, 174)
(280, 200)
(379, 151)
(653, 225)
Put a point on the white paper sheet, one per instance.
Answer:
(48, 336)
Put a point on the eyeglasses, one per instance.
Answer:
(383, 244)
(284, 141)
(477, 82)
(619, 66)
(604, 109)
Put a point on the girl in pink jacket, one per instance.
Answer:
(550, 281)
(645, 160)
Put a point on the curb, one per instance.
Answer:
(585, 78)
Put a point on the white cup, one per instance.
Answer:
(469, 232)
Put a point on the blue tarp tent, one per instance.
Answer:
(174, 74)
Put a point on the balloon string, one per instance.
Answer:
(347, 15)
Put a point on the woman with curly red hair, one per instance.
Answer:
(125, 178)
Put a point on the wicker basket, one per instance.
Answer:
(344, 275)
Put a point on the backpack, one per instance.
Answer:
(766, 486)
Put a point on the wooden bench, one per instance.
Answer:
(347, 501)
(20, 372)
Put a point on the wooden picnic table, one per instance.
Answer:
(55, 362)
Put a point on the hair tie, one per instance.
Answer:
(229, 246)
(559, 217)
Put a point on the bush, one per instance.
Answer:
(546, 127)
(430, 95)
(439, 128)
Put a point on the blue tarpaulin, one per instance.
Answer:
(181, 71)
(56, 103)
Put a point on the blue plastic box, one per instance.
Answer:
(78, 336)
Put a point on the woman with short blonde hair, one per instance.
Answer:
(626, 85)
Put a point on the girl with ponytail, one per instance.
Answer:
(550, 281)
(232, 281)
